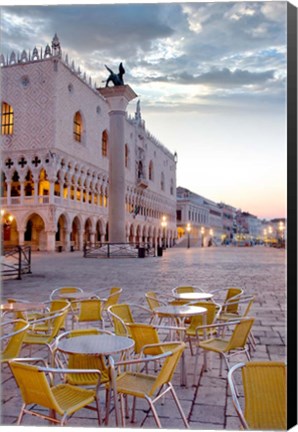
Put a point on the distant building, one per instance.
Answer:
(55, 176)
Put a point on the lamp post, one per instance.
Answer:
(6, 221)
(164, 225)
(281, 228)
(202, 234)
(188, 229)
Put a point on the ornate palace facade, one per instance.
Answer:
(55, 144)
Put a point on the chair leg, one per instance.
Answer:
(155, 415)
(108, 404)
(133, 419)
(21, 414)
(178, 405)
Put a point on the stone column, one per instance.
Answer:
(118, 98)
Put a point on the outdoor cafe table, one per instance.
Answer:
(21, 307)
(178, 314)
(193, 296)
(97, 345)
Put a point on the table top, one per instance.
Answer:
(21, 307)
(179, 311)
(196, 295)
(95, 344)
(75, 295)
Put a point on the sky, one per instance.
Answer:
(210, 77)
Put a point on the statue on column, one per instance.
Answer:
(117, 79)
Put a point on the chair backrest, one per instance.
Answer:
(232, 307)
(144, 334)
(113, 297)
(244, 302)
(184, 289)
(212, 312)
(265, 390)
(265, 395)
(13, 341)
(59, 305)
(120, 315)
(152, 300)
(89, 310)
(169, 365)
(64, 290)
(34, 386)
(240, 334)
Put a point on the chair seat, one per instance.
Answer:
(135, 384)
(70, 398)
(214, 344)
(37, 338)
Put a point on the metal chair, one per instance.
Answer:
(11, 343)
(186, 289)
(58, 292)
(54, 321)
(148, 387)
(88, 311)
(37, 388)
(265, 392)
(110, 298)
(232, 292)
(231, 345)
(122, 313)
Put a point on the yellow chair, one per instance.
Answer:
(112, 297)
(232, 292)
(231, 345)
(62, 399)
(11, 343)
(194, 329)
(265, 391)
(122, 313)
(58, 292)
(88, 310)
(186, 289)
(145, 386)
(55, 306)
(154, 300)
(54, 321)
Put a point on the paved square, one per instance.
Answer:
(258, 270)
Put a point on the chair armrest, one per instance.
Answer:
(216, 325)
(160, 344)
(234, 393)
(139, 360)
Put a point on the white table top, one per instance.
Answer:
(96, 344)
(179, 311)
(195, 295)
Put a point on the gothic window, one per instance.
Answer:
(77, 126)
(151, 170)
(162, 182)
(104, 144)
(7, 118)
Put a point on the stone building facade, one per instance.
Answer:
(55, 142)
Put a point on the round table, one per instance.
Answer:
(179, 313)
(105, 345)
(193, 296)
(96, 344)
(21, 307)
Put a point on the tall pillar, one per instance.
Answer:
(118, 98)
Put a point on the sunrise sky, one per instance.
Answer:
(211, 78)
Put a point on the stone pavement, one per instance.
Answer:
(258, 270)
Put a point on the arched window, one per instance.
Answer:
(162, 181)
(126, 155)
(77, 126)
(7, 118)
(104, 144)
(150, 170)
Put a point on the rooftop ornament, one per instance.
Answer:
(117, 79)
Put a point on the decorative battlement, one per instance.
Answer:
(41, 55)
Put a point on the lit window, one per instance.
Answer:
(77, 127)
(104, 144)
(7, 119)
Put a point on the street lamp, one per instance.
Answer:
(164, 225)
(281, 228)
(188, 229)
(202, 234)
